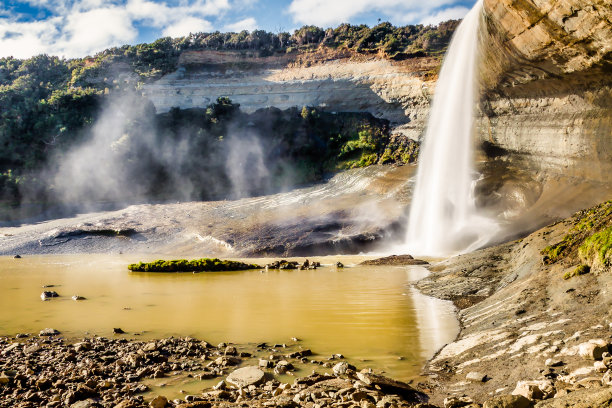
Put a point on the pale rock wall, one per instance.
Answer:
(386, 89)
(546, 72)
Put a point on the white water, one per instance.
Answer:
(443, 218)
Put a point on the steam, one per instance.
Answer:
(246, 166)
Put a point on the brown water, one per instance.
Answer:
(366, 313)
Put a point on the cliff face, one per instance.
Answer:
(396, 91)
(547, 75)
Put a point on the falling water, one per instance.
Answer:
(443, 218)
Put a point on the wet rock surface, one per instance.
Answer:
(526, 331)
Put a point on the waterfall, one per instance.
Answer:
(443, 218)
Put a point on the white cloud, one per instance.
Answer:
(185, 26)
(22, 40)
(327, 13)
(77, 28)
(248, 24)
(96, 30)
(452, 13)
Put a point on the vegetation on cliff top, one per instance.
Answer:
(196, 265)
(589, 239)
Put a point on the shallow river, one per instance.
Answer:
(369, 314)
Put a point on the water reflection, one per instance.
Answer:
(366, 313)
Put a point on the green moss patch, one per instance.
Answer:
(589, 239)
(196, 265)
(598, 246)
(579, 270)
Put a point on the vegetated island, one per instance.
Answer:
(196, 265)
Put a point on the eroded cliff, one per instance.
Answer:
(394, 90)
(546, 72)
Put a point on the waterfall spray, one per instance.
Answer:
(443, 217)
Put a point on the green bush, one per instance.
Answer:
(196, 265)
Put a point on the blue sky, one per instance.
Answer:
(77, 28)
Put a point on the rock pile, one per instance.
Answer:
(100, 372)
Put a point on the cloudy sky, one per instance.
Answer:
(77, 28)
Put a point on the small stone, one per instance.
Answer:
(159, 402)
(550, 362)
(77, 297)
(230, 351)
(359, 396)
(339, 264)
(475, 376)
(606, 380)
(48, 332)
(88, 403)
(118, 330)
(282, 367)
(17, 256)
(48, 294)
(600, 367)
(263, 363)
(342, 368)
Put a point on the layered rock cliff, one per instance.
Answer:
(394, 90)
(546, 70)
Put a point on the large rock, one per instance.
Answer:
(535, 390)
(588, 398)
(391, 385)
(508, 401)
(593, 349)
(243, 377)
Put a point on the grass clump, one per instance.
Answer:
(598, 247)
(579, 270)
(589, 237)
(196, 265)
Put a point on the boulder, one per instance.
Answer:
(593, 349)
(533, 390)
(230, 351)
(508, 401)
(458, 402)
(159, 402)
(391, 385)
(243, 377)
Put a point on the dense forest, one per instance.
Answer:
(49, 105)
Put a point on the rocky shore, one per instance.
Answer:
(48, 371)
